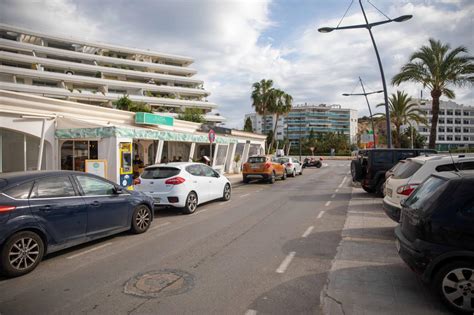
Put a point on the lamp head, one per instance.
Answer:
(403, 18)
(325, 29)
(345, 94)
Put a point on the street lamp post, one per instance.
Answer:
(369, 26)
(368, 105)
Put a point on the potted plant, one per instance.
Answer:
(237, 164)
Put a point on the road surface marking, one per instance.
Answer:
(343, 181)
(88, 251)
(222, 203)
(308, 231)
(327, 203)
(286, 262)
(244, 195)
(201, 211)
(337, 190)
(160, 225)
(251, 312)
(320, 215)
(333, 195)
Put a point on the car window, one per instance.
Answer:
(257, 159)
(462, 166)
(407, 169)
(92, 186)
(53, 187)
(194, 169)
(402, 155)
(207, 171)
(422, 195)
(159, 172)
(21, 191)
(284, 160)
(382, 157)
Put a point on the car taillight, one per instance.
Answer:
(246, 165)
(406, 190)
(289, 164)
(320, 158)
(137, 181)
(175, 181)
(267, 165)
(7, 208)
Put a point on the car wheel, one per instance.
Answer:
(301, 171)
(21, 253)
(379, 188)
(356, 170)
(141, 219)
(271, 180)
(455, 284)
(246, 180)
(191, 203)
(368, 189)
(283, 177)
(227, 193)
(319, 164)
(294, 173)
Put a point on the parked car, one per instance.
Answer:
(183, 185)
(45, 211)
(392, 171)
(436, 236)
(292, 166)
(370, 166)
(414, 171)
(312, 162)
(263, 167)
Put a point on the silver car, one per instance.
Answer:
(292, 165)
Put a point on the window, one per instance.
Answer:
(160, 172)
(457, 121)
(402, 155)
(422, 196)
(257, 159)
(208, 172)
(466, 113)
(449, 129)
(441, 138)
(92, 186)
(457, 129)
(19, 152)
(441, 120)
(462, 166)
(457, 113)
(441, 129)
(74, 154)
(465, 138)
(466, 130)
(449, 138)
(449, 112)
(381, 157)
(466, 121)
(449, 121)
(194, 169)
(53, 187)
(457, 138)
(407, 169)
(21, 191)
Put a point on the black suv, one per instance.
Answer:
(436, 236)
(370, 165)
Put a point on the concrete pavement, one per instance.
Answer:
(367, 275)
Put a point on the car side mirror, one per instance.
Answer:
(118, 190)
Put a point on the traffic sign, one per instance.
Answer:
(211, 136)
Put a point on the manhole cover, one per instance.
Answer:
(159, 283)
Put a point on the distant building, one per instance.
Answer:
(304, 118)
(455, 125)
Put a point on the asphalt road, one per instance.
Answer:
(267, 250)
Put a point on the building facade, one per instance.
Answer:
(455, 124)
(302, 119)
(99, 74)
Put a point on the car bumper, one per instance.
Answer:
(257, 176)
(391, 210)
(416, 260)
(167, 199)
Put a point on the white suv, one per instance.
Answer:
(413, 171)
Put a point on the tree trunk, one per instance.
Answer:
(435, 94)
(274, 132)
(397, 138)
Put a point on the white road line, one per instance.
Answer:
(308, 231)
(88, 251)
(244, 195)
(160, 225)
(327, 203)
(286, 262)
(333, 195)
(201, 211)
(320, 215)
(222, 203)
(343, 181)
(337, 190)
(251, 312)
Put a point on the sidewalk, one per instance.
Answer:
(235, 179)
(367, 275)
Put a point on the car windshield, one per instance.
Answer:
(425, 192)
(257, 159)
(283, 160)
(160, 172)
(406, 169)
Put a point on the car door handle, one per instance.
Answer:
(95, 203)
(46, 208)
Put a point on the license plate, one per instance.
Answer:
(397, 245)
(255, 166)
(389, 192)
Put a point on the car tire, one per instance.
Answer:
(368, 189)
(283, 177)
(271, 179)
(227, 192)
(27, 241)
(246, 180)
(301, 171)
(356, 170)
(191, 203)
(379, 188)
(319, 164)
(141, 219)
(446, 282)
(294, 173)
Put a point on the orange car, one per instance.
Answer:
(263, 167)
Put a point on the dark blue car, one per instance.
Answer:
(45, 211)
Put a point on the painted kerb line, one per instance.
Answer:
(286, 262)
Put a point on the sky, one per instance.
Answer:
(236, 43)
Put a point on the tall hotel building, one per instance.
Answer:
(98, 74)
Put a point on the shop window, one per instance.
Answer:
(74, 154)
(19, 152)
(221, 154)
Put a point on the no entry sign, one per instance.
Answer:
(211, 136)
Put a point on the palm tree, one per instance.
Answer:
(402, 111)
(280, 104)
(437, 67)
(261, 96)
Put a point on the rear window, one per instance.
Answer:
(422, 195)
(159, 172)
(407, 169)
(283, 160)
(257, 159)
